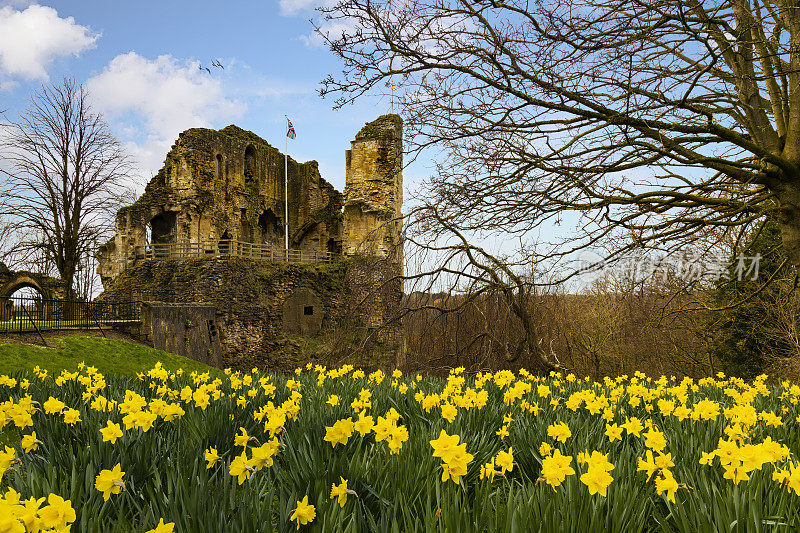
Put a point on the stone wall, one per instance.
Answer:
(189, 330)
(374, 190)
(260, 307)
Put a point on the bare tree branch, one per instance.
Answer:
(640, 123)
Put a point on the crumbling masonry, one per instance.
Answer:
(224, 190)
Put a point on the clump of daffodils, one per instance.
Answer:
(51, 513)
(454, 456)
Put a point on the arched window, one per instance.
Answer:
(218, 166)
(249, 164)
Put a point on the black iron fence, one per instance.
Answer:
(18, 314)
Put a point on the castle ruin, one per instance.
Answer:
(209, 230)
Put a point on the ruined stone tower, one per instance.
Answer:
(209, 231)
(373, 194)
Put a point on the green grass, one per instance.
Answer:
(109, 356)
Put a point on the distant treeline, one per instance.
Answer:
(611, 328)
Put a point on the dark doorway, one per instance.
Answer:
(224, 243)
(22, 302)
(333, 246)
(162, 228)
(270, 227)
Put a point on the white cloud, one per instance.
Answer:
(31, 39)
(148, 156)
(294, 7)
(168, 94)
(150, 101)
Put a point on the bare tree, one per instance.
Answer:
(64, 170)
(468, 278)
(634, 123)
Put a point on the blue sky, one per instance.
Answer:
(141, 62)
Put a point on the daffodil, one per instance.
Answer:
(262, 455)
(340, 432)
(707, 458)
(364, 424)
(488, 470)
(559, 431)
(58, 514)
(53, 406)
(444, 444)
(633, 426)
(556, 468)
(242, 439)
(449, 412)
(655, 440)
(110, 481)
(304, 513)
(29, 443)
(613, 432)
(341, 491)
(505, 460)
(7, 458)
(111, 432)
(240, 468)
(211, 457)
(597, 479)
(71, 416)
(667, 484)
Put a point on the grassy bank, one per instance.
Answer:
(109, 356)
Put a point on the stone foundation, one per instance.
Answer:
(189, 330)
(262, 309)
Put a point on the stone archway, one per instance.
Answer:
(50, 288)
(14, 281)
(20, 281)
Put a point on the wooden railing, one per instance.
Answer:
(229, 248)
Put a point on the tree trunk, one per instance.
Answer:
(789, 220)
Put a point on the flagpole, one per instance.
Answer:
(286, 190)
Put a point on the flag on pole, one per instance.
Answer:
(290, 132)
